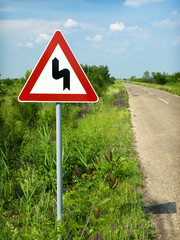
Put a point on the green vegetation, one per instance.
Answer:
(100, 77)
(101, 177)
(161, 81)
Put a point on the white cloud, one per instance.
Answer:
(117, 26)
(20, 44)
(28, 27)
(120, 26)
(133, 28)
(172, 21)
(168, 22)
(31, 32)
(120, 50)
(116, 50)
(43, 37)
(70, 23)
(175, 12)
(139, 49)
(30, 45)
(7, 9)
(137, 3)
(28, 32)
(88, 38)
(161, 23)
(96, 38)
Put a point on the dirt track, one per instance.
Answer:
(156, 123)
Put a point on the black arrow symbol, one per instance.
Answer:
(65, 73)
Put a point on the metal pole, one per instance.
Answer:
(59, 160)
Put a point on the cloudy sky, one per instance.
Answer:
(129, 36)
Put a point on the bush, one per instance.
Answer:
(133, 78)
(99, 77)
(159, 78)
(175, 77)
(27, 112)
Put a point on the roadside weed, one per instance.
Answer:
(100, 176)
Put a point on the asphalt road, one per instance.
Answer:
(156, 122)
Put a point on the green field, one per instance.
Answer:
(102, 182)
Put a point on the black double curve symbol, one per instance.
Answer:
(64, 73)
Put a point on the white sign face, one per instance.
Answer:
(47, 84)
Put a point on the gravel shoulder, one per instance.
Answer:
(156, 123)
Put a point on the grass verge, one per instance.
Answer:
(101, 177)
(104, 202)
(171, 87)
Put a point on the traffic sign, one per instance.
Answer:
(58, 77)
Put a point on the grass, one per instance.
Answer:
(101, 175)
(171, 87)
(105, 164)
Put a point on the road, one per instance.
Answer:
(156, 122)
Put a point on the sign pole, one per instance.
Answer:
(59, 160)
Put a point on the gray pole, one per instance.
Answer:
(59, 160)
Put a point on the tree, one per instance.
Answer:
(133, 78)
(27, 74)
(176, 77)
(99, 77)
(146, 77)
(159, 78)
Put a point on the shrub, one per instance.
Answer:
(99, 77)
(175, 77)
(27, 112)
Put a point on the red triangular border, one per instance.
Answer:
(26, 96)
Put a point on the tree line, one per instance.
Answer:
(157, 78)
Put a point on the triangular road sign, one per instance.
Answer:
(58, 77)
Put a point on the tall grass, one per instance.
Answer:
(100, 176)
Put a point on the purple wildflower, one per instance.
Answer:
(112, 227)
(97, 236)
(17, 164)
(83, 112)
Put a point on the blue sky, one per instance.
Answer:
(129, 36)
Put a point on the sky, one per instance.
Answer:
(129, 36)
